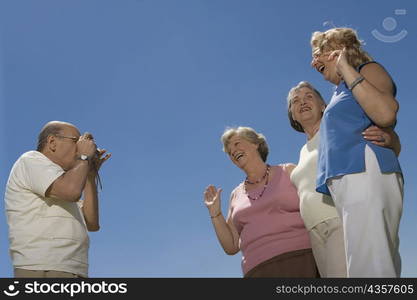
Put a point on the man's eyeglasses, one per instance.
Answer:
(73, 138)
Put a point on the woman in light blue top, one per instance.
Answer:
(364, 179)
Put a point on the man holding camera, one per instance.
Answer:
(47, 221)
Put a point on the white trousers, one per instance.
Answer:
(327, 243)
(370, 206)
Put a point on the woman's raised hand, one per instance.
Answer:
(212, 200)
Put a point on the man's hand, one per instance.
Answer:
(86, 145)
(98, 159)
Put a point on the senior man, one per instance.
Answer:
(48, 222)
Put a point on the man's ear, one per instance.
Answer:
(51, 143)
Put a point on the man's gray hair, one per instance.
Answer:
(51, 128)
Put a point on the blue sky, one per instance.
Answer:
(157, 82)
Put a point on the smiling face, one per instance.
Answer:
(325, 67)
(306, 106)
(324, 43)
(241, 151)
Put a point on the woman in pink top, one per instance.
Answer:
(264, 219)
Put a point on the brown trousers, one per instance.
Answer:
(23, 273)
(294, 264)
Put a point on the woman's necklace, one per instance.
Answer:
(259, 180)
(265, 185)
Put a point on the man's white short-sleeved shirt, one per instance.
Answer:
(44, 233)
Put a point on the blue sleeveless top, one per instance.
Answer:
(342, 146)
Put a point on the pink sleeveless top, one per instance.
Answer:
(270, 225)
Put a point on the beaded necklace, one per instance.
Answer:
(259, 180)
(265, 185)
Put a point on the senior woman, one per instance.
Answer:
(364, 179)
(263, 220)
(305, 109)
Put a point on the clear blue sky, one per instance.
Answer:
(157, 82)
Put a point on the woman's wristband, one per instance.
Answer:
(356, 82)
(216, 215)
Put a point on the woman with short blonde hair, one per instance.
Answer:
(363, 178)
